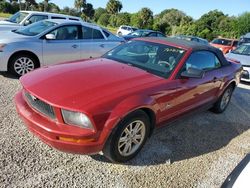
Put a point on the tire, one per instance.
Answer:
(21, 64)
(124, 143)
(120, 34)
(222, 103)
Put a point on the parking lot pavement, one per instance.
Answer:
(198, 151)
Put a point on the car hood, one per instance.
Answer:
(77, 84)
(5, 22)
(9, 36)
(243, 59)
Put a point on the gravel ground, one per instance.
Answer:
(199, 151)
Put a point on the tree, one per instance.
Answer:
(46, 5)
(146, 16)
(170, 20)
(88, 11)
(98, 13)
(104, 19)
(30, 4)
(242, 24)
(79, 4)
(113, 6)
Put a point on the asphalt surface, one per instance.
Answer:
(198, 151)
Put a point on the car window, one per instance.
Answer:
(235, 43)
(37, 18)
(243, 50)
(18, 17)
(74, 19)
(58, 17)
(97, 34)
(36, 28)
(152, 35)
(203, 60)
(155, 58)
(160, 35)
(224, 42)
(66, 33)
(90, 33)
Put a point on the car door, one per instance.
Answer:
(189, 93)
(94, 44)
(64, 47)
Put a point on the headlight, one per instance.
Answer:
(77, 119)
(2, 47)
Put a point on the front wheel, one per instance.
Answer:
(22, 64)
(128, 137)
(221, 105)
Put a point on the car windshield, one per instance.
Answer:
(155, 58)
(242, 50)
(244, 40)
(36, 28)
(224, 42)
(140, 33)
(18, 17)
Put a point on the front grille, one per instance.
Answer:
(40, 106)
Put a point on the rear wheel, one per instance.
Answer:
(221, 105)
(21, 64)
(128, 137)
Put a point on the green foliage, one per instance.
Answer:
(114, 6)
(104, 19)
(88, 12)
(145, 18)
(243, 24)
(98, 12)
(170, 21)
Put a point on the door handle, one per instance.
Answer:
(102, 45)
(75, 46)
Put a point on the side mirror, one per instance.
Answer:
(193, 73)
(50, 37)
(27, 22)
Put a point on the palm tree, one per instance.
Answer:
(29, 3)
(46, 5)
(79, 4)
(114, 6)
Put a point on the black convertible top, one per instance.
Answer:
(195, 46)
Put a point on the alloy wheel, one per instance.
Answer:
(226, 98)
(23, 65)
(131, 138)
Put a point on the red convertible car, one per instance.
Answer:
(112, 104)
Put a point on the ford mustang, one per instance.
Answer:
(112, 104)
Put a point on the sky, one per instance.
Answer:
(194, 8)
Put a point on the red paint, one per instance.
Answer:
(106, 91)
(225, 48)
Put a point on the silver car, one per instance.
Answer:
(24, 18)
(52, 41)
(242, 54)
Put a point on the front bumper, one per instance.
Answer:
(50, 131)
(246, 74)
(3, 61)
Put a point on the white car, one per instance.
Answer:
(24, 18)
(52, 41)
(125, 30)
(242, 54)
(239, 177)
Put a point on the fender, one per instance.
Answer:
(129, 105)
